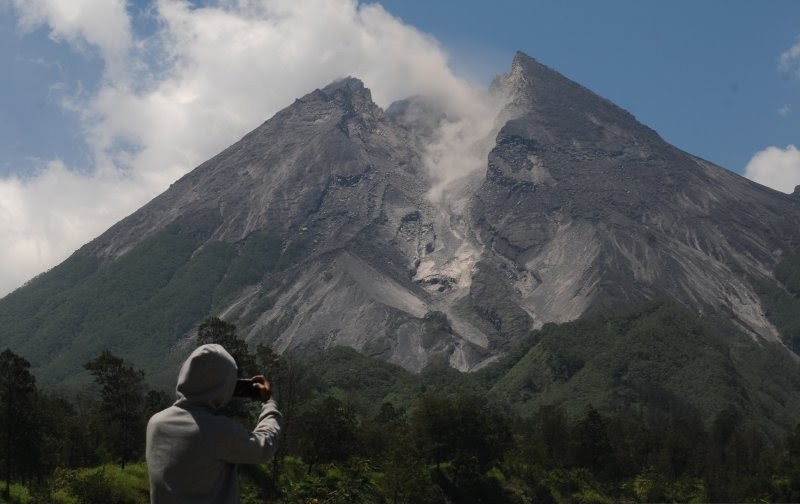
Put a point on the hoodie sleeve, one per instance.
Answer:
(258, 446)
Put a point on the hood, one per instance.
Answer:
(207, 378)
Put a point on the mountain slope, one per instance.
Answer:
(318, 229)
(654, 362)
(601, 212)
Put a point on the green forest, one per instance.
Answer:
(358, 429)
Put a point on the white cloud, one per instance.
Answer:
(202, 80)
(44, 218)
(98, 24)
(776, 168)
(785, 110)
(790, 59)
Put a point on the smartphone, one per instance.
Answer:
(245, 389)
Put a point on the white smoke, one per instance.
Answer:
(776, 168)
(460, 146)
(168, 100)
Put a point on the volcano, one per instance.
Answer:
(320, 228)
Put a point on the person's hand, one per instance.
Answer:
(264, 387)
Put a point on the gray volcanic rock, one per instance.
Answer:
(334, 173)
(323, 159)
(600, 212)
(579, 208)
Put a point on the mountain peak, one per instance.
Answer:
(547, 93)
(348, 84)
(522, 60)
(350, 94)
(315, 230)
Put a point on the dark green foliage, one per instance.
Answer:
(258, 255)
(367, 381)
(122, 401)
(214, 330)
(117, 299)
(144, 302)
(591, 447)
(351, 481)
(459, 430)
(39, 314)
(102, 485)
(654, 361)
(464, 440)
(791, 484)
(440, 444)
(696, 423)
(291, 388)
(782, 300)
(438, 375)
(550, 428)
(329, 427)
(155, 401)
(70, 433)
(18, 435)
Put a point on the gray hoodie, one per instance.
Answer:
(191, 451)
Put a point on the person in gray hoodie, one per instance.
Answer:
(191, 451)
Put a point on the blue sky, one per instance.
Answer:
(704, 74)
(103, 103)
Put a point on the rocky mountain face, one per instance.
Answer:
(578, 209)
(593, 210)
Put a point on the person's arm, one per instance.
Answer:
(267, 429)
(258, 446)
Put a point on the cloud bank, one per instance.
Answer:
(197, 82)
(776, 168)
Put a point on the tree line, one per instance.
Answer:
(442, 446)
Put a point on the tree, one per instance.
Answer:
(554, 434)
(155, 401)
(63, 434)
(122, 400)
(724, 438)
(17, 393)
(290, 388)
(328, 433)
(591, 446)
(791, 463)
(464, 440)
(215, 330)
(459, 430)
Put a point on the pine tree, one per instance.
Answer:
(17, 393)
(122, 400)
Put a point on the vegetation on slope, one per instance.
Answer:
(781, 300)
(653, 361)
(654, 404)
(137, 306)
(650, 362)
(359, 430)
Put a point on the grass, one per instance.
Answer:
(107, 484)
